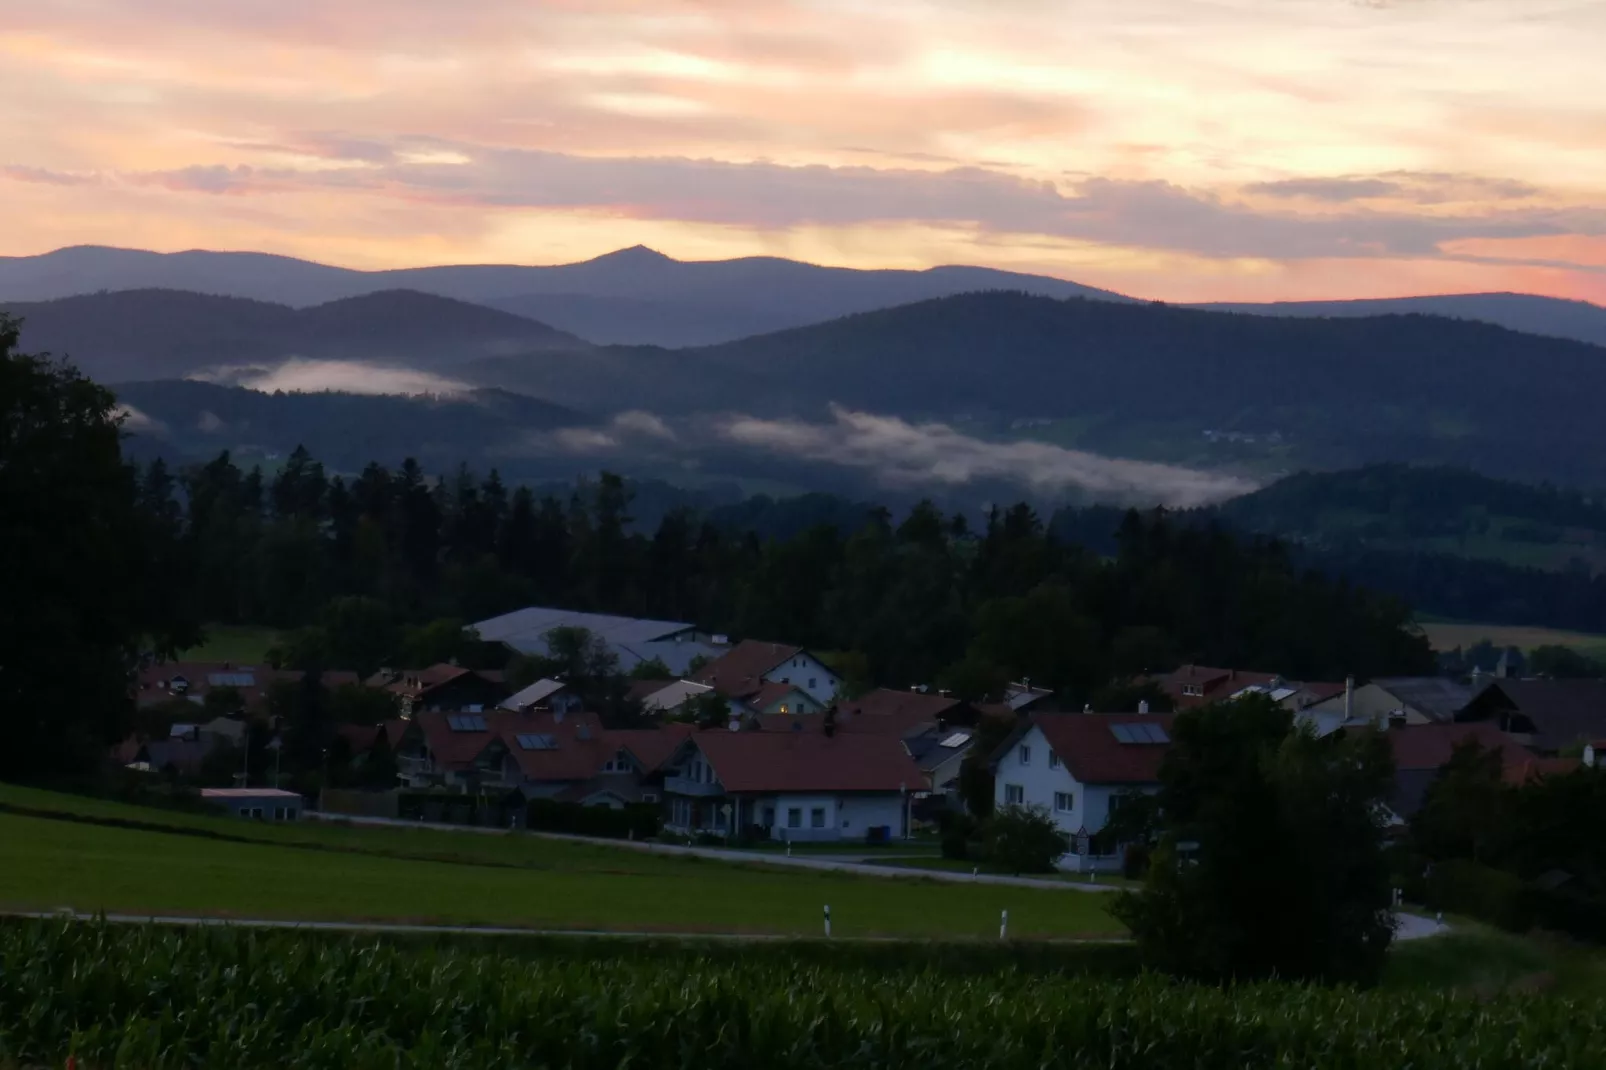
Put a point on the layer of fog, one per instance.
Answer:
(301, 376)
(905, 454)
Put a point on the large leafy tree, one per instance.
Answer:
(80, 558)
(1272, 861)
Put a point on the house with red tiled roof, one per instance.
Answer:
(443, 688)
(796, 786)
(744, 672)
(163, 681)
(548, 754)
(1080, 767)
(1192, 686)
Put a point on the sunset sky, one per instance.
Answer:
(1176, 149)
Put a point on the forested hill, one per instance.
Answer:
(158, 334)
(1450, 541)
(1147, 380)
(1455, 510)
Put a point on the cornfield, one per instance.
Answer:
(152, 998)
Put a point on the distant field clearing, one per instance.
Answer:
(1448, 636)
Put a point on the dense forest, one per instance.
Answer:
(925, 599)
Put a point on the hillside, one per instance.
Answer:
(1208, 388)
(1550, 316)
(147, 334)
(1432, 509)
(191, 421)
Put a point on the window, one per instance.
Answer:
(769, 817)
(649, 796)
(817, 818)
(1063, 801)
(784, 708)
(794, 818)
(278, 813)
(813, 683)
(1014, 794)
(1025, 755)
(1053, 760)
(1194, 690)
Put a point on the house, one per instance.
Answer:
(442, 688)
(178, 756)
(802, 786)
(1192, 686)
(743, 671)
(263, 804)
(1022, 697)
(1080, 767)
(890, 712)
(163, 681)
(1547, 715)
(665, 697)
(544, 694)
(939, 751)
(777, 699)
(632, 640)
(1421, 750)
(1412, 700)
(1293, 694)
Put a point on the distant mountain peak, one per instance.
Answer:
(636, 254)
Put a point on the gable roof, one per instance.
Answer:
(533, 695)
(768, 694)
(1429, 746)
(1562, 711)
(1210, 681)
(651, 747)
(1438, 698)
(808, 762)
(740, 671)
(579, 746)
(672, 695)
(887, 710)
(526, 629)
(1088, 746)
(453, 748)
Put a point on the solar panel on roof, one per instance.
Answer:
(465, 722)
(1156, 733)
(231, 679)
(958, 739)
(537, 741)
(1122, 733)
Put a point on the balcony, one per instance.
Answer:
(680, 785)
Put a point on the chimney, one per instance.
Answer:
(1589, 755)
(1349, 698)
(1143, 706)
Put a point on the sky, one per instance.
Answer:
(1173, 149)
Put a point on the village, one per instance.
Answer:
(754, 742)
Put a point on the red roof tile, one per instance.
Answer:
(582, 747)
(1533, 769)
(1428, 746)
(808, 762)
(1086, 745)
(452, 748)
(740, 672)
(652, 747)
(895, 712)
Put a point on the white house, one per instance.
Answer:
(750, 665)
(1079, 767)
(795, 786)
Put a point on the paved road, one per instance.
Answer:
(486, 930)
(1412, 927)
(829, 863)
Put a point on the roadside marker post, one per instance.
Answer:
(1003, 926)
(828, 919)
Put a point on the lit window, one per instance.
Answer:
(784, 708)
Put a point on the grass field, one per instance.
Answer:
(180, 864)
(1447, 635)
(240, 644)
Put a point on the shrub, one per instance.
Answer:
(1491, 895)
(637, 821)
(1024, 839)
